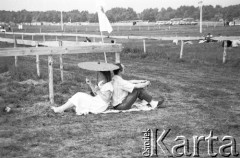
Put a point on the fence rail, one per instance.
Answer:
(59, 48)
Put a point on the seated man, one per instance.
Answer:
(125, 93)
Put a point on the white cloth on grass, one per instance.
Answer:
(86, 103)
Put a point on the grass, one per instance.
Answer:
(201, 93)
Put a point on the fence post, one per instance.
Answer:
(50, 73)
(32, 37)
(181, 52)
(22, 36)
(61, 61)
(76, 38)
(144, 46)
(117, 57)
(16, 57)
(224, 52)
(44, 38)
(37, 62)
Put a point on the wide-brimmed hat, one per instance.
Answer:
(98, 66)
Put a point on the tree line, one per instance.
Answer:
(123, 14)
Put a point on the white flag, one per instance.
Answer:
(200, 3)
(104, 23)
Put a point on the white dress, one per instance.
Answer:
(86, 103)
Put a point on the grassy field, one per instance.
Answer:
(201, 93)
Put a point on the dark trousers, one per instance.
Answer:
(132, 97)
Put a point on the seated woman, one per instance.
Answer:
(86, 103)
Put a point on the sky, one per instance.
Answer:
(90, 5)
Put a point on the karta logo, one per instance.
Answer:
(153, 143)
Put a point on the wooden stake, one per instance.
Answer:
(50, 72)
(37, 62)
(225, 52)
(144, 46)
(61, 61)
(117, 57)
(61, 66)
(16, 57)
(181, 52)
(44, 38)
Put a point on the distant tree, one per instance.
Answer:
(93, 18)
(149, 14)
(121, 14)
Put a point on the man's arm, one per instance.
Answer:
(142, 85)
(137, 81)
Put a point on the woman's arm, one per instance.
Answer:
(92, 86)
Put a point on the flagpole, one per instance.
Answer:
(200, 6)
(105, 57)
(62, 20)
(201, 19)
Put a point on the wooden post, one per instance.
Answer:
(56, 38)
(144, 46)
(22, 36)
(44, 38)
(225, 52)
(61, 61)
(94, 39)
(50, 72)
(117, 57)
(16, 57)
(37, 62)
(181, 52)
(61, 66)
(32, 37)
